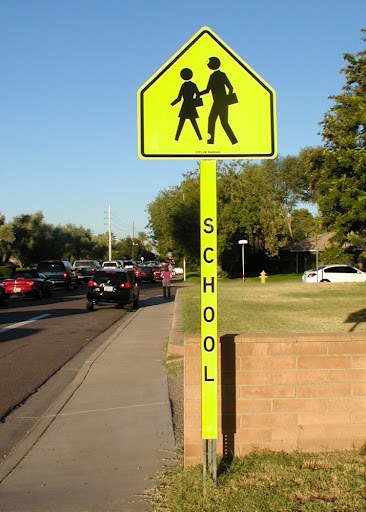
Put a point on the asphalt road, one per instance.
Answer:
(38, 337)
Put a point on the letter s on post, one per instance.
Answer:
(208, 224)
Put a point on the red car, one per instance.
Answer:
(144, 273)
(157, 271)
(28, 282)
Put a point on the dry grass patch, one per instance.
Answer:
(281, 307)
(269, 482)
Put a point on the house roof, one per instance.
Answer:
(317, 243)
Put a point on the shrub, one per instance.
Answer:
(335, 254)
(6, 271)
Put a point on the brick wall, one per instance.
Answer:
(277, 392)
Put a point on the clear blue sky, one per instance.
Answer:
(70, 71)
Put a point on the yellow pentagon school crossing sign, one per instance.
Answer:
(206, 102)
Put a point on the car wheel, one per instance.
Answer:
(129, 306)
(40, 293)
(325, 281)
(136, 303)
(89, 305)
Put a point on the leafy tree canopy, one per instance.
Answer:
(254, 201)
(341, 181)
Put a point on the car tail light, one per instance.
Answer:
(65, 275)
(125, 285)
(29, 283)
(92, 283)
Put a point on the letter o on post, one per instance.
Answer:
(209, 314)
(209, 343)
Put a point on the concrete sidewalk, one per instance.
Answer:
(106, 437)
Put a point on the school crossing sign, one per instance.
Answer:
(206, 102)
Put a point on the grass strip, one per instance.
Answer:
(265, 481)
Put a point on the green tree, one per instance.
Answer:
(254, 201)
(6, 240)
(100, 247)
(30, 234)
(174, 220)
(341, 182)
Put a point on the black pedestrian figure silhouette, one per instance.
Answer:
(191, 99)
(217, 84)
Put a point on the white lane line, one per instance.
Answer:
(20, 324)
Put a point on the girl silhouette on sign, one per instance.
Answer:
(217, 84)
(191, 99)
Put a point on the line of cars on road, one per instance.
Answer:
(113, 282)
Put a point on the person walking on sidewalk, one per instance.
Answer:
(166, 275)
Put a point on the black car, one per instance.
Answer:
(84, 269)
(113, 286)
(2, 294)
(59, 272)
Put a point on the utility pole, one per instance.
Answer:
(109, 234)
(133, 242)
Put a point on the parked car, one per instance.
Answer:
(2, 294)
(59, 272)
(112, 264)
(113, 286)
(28, 282)
(177, 271)
(144, 273)
(84, 269)
(334, 274)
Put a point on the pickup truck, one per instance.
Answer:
(84, 269)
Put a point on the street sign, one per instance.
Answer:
(206, 102)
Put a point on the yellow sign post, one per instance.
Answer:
(206, 102)
(208, 299)
(209, 373)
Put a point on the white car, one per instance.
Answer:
(334, 274)
(177, 271)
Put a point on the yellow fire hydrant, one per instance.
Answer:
(263, 276)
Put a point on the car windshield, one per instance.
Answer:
(110, 277)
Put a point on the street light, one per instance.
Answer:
(242, 243)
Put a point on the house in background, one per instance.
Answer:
(304, 255)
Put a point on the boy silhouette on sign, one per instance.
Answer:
(217, 84)
(191, 99)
